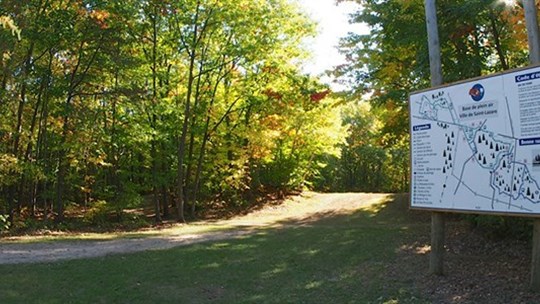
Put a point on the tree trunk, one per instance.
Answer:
(63, 165)
(42, 143)
(153, 123)
(190, 196)
(497, 39)
(155, 185)
(165, 201)
(179, 202)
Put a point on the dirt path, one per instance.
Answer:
(295, 211)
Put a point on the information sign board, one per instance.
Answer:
(475, 145)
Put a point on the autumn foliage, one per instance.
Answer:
(169, 105)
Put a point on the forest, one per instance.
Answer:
(186, 106)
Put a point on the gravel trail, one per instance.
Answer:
(296, 211)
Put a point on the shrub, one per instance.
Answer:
(4, 222)
(503, 226)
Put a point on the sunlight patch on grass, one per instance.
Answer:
(377, 206)
(309, 206)
(311, 252)
(211, 265)
(257, 299)
(314, 284)
(242, 247)
(280, 268)
(340, 258)
(421, 249)
(219, 246)
(347, 242)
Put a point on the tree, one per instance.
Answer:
(105, 103)
(383, 67)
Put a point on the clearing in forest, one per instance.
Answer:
(297, 210)
(314, 248)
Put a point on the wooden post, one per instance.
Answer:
(436, 257)
(433, 43)
(531, 21)
(535, 261)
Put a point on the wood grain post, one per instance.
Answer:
(531, 21)
(535, 263)
(436, 258)
(433, 43)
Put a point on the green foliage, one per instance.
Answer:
(28, 225)
(199, 99)
(110, 101)
(98, 214)
(7, 23)
(372, 159)
(4, 222)
(303, 126)
(499, 227)
(476, 37)
(103, 215)
(10, 169)
(384, 66)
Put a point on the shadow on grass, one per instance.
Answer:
(341, 259)
(375, 255)
(41, 249)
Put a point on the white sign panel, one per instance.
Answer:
(475, 146)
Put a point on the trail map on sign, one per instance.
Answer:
(475, 146)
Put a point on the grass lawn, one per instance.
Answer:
(334, 259)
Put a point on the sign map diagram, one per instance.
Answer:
(476, 147)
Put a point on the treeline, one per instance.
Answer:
(103, 103)
(183, 103)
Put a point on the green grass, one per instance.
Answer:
(341, 259)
